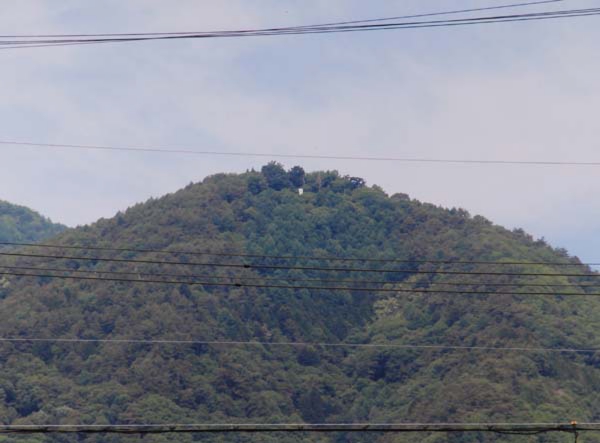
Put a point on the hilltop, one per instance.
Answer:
(21, 224)
(263, 213)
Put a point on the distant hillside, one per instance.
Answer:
(20, 224)
(262, 213)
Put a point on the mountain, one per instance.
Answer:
(21, 224)
(261, 214)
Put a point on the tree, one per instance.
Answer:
(296, 175)
(276, 176)
(256, 184)
(357, 182)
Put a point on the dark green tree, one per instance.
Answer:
(256, 184)
(276, 176)
(297, 175)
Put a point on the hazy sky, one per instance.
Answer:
(523, 91)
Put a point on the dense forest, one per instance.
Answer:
(261, 213)
(20, 224)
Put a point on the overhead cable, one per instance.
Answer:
(217, 343)
(501, 428)
(297, 257)
(309, 156)
(297, 287)
(401, 17)
(293, 267)
(299, 30)
(413, 285)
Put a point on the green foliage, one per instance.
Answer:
(20, 224)
(261, 213)
(276, 176)
(297, 176)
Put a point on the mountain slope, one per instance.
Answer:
(263, 214)
(20, 224)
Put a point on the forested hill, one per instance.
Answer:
(262, 213)
(20, 224)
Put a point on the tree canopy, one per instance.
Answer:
(20, 224)
(261, 213)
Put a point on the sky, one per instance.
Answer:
(520, 91)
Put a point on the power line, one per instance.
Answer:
(500, 428)
(45, 45)
(301, 268)
(308, 29)
(414, 286)
(299, 287)
(219, 343)
(8, 45)
(306, 156)
(401, 17)
(431, 14)
(295, 257)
